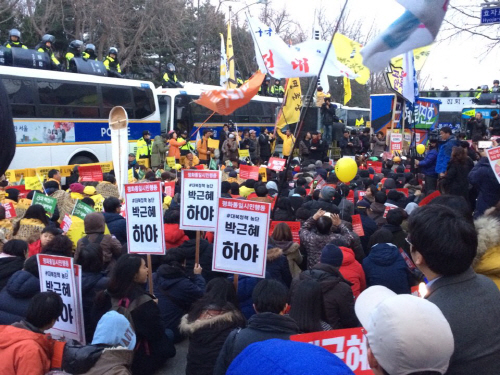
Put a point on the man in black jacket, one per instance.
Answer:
(495, 124)
(328, 117)
(116, 223)
(265, 142)
(270, 304)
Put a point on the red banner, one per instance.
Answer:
(376, 165)
(350, 196)
(66, 223)
(90, 173)
(247, 172)
(429, 198)
(10, 211)
(276, 164)
(348, 344)
(357, 226)
(388, 207)
(169, 189)
(294, 226)
(404, 191)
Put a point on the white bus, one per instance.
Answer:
(61, 118)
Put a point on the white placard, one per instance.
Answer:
(144, 215)
(200, 192)
(57, 275)
(396, 142)
(241, 237)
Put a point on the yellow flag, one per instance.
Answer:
(347, 51)
(470, 112)
(360, 122)
(32, 183)
(420, 57)
(347, 90)
(290, 113)
(231, 78)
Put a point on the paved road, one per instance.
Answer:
(176, 365)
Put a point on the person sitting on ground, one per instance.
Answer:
(24, 347)
(396, 325)
(174, 236)
(59, 246)
(12, 259)
(47, 235)
(443, 245)
(352, 271)
(270, 304)
(282, 237)
(116, 223)
(377, 209)
(32, 224)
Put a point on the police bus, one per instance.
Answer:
(61, 118)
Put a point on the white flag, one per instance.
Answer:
(223, 62)
(417, 27)
(408, 77)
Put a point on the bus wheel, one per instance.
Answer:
(81, 159)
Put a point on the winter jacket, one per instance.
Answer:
(352, 271)
(314, 242)
(254, 148)
(304, 148)
(325, 205)
(328, 113)
(369, 227)
(188, 250)
(495, 124)
(483, 179)
(444, 154)
(110, 246)
(246, 285)
(117, 226)
(346, 208)
(385, 266)
(174, 237)
(113, 361)
(428, 165)
(288, 142)
(207, 335)
(29, 230)
(92, 283)
(261, 327)
(350, 150)
(34, 248)
(292, 252)
(8, 266)
(16, 296)
(176, 292)
(338, 299)
(143, 148)
(24, 350)
(379, 146)
(265, 146)
(174, 150)
(202, 148)
(277, 267)
(376, 213)
(230, 149)
(158, 152)
(455, 181)
(487, 260)
(398, 237)
(316, 147)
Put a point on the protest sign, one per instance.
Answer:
(240, 244)
(10, 211)
(294, 227)
(32, 183)
(276, 164)
(494, 158)
(81, 209)
(200, 167)
(200, 192)
(145, 231)
(66, 223)
(357, 226)
(48, 203)
(90, 173)
(361, 194)
(57, 274)
(171, 161)
(350, 196)
(244, 153)
(376, 165)
(263, 174)
(169, 189)
(319, 183)
(213, 143)
(247, 172)
(130, 175)
(348, 344)
(396, 142)
(389, 207)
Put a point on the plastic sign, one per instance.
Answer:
(396, 142)
(240, 244)
(10, 211)
(145, 230)
(494, 158)
(200, 192)
(48, 203)
(90, 172)
(276, 164)
(248, 172)
(293, 225)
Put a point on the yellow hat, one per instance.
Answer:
(396, 159)
(89, 190)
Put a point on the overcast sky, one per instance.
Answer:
(458, 64)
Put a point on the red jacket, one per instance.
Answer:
(24, 352)
(174, 237)
(34, 248)
(353, 272)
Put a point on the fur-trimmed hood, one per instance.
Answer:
(488, 235)
(273, 253)
(206, 321)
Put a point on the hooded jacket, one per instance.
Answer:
(376, 213)
(174, 237)
(352, 271)
(261, 327)
(483, 179)
(444, 154)
(16, 296)
(338, 300)
(379, 146)
(277, 267)
(207, 335)
(117, 226)
(24, 350)
(487, 260)
(385, 266)
(113, 361)
(92, 283)
(8, 266)
(292, 252)
(158, 152)
(176, 292)
(428, 165)
(188, 250)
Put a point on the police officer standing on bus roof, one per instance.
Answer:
(15, 40)
(111, 63)
(46, 46)
(89, 53)
(74, 50)
(169, 78)
(144, 146)
(277, 90)
(264, 88)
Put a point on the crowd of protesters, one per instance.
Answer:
(364, 245)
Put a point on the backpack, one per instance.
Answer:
(125, 307)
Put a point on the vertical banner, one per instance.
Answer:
(290, 112)
(240, 244)
(10, 211)
(200, 191)
(57, 275)
(144, 215)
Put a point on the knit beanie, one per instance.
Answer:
(332, 255)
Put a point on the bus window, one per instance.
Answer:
(252, 112)
(21, 96)
(113, 96)
(164, 103)
(143, 102)
(268, 112)
(184, 113)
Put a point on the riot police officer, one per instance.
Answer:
(74, 50)
(111, 63)
(15, 40)
(89, 52)
(46, 45)
(169, 78)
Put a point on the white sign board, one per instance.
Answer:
(200, 196)
(144, 215)
(241, 237)
(494, 158)
(396, 142)
(57, 274)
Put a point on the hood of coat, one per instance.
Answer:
(9, 265)
(269, 322)
(168, 273)
(113, 357)
(288, 247)
(274, 253)
(110, 217)
(349, 257)
(10, 335)
(384, 254)
(328, 276)
(488, 235)
(23, 284)
(173, 234)
(209, 320)
(94, 223)
(377, 208)
(91, 280)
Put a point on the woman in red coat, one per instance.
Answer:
(352, 271)
(174, 237)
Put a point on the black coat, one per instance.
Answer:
(92, 283)
(9, 266)
(261, 327)
(16, 296)
(316, 150)
(495, 124)
(117, 226)
(314, 206)
(484, 180)
(277, 267)
(265, 146)
(455, 181)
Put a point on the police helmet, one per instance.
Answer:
(484, 87)
(496, 81)
(90, 47)
(113, 50)
(170, 68)
(238, 74)
(76, 44)
(15, 32)
(48, 38)
(268, 79)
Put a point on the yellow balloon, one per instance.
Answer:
(346, 169)
(420, 149)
